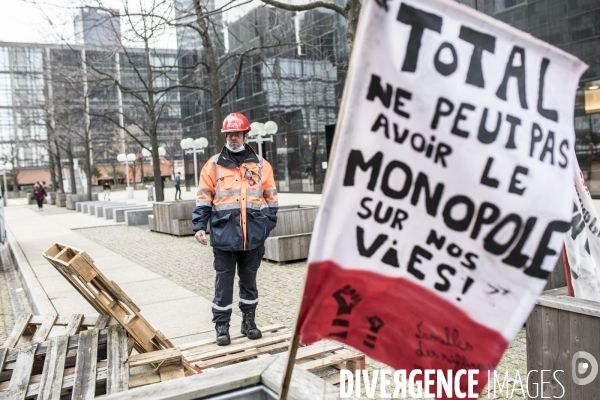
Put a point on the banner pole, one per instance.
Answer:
(291, 359)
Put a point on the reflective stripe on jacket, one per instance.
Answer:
(240, 202)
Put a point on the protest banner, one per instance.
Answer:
(582, 242)
(448, 192)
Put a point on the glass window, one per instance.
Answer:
(592, 98)
(500, 5)
(536, 11)
(558, 32)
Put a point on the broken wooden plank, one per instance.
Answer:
(118, 366)
(84, 386)
(20, 379)
(44, 329)
(234, 342)
(199, 343)
(64, 321)
(17, 331)
(330, 360)
(162, 357)
(3, 353)
(68, 380)
(200, 356)
(54, 368)
(74, 324)
(102, 322)
(317, 349)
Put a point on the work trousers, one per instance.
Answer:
(247, 267)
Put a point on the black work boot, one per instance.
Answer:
(222, 329)
(249, 326)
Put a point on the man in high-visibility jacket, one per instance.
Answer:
(237, 194)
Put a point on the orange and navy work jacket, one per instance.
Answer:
(240, 202)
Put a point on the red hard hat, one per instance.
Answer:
(235, 122)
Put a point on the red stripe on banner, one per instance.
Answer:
(396, 322)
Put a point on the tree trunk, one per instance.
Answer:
(72, 171)
(15, 182)
(142, 169)
(213, 77)
(134, 168)
(52, 171)
(114, 174)
(353, 12)
(153, 127)
(158, 183)
(88, 166)
(61, 184)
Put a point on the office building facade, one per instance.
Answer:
(300, 86)
(43, 88)
(297, 84)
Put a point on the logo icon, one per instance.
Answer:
(581, 363)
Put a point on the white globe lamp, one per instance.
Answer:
(271, 128)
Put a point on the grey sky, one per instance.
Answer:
(23, 21)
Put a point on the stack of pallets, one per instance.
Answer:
(88, 357)
(202, 356)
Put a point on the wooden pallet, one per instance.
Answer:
(206, 355)
(95, 361)
(105, 296)
(108, 298)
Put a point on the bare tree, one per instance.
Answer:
(216, 65)
(351, 12)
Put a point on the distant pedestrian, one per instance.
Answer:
(106, 187)
(177, 181)
(40, 194)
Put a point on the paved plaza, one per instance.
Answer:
(170, 278)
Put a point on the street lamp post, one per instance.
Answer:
(6, 167)
(127, 158)
(261, 133)
(190, 145)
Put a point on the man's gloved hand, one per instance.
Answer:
(201, 237)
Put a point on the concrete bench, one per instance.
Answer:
(61, 199)
(138, 217)
(72, 199)
(119, 213)
(101, 209)
(84, 206)
(109, 212)
(52, 198)
(94, 208)
(288, 247)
